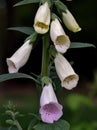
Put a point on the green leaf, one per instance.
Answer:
(33, 122)
(24, 2)
(5, 77)
(81, 45)
(25, 30)
(58, 125)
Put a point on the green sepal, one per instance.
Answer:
(45, 81)
(48, 1)
(61, 7)
(32, 38)
(52, 51)
(54, 16)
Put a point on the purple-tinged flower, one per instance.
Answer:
(58, 36)
(68, 77)
(50, 109)
(19, 58)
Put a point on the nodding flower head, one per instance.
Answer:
(68, 77)
(19, 58)
(58, 36)
(42, 19)
(50, 109)
(70, 21)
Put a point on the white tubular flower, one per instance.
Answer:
(58, 36)
(50, 109)
(42, 19)
(70, 21)
(19, 58)
(68, 77)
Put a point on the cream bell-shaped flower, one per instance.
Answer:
(19, 58)
(42, 19)
(58, 36)
(50, 109)
(70, 21)
(68, 77)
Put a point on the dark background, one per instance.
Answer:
(77, 102)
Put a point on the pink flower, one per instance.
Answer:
(50, 109)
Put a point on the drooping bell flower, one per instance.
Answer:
(19, 58)
(42, 19)
(50, 109)
(68, 77)
(58, 36)
(70, 21)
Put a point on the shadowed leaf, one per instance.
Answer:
(24, 2)
(81, 45)
(25, 30)
(58, 125)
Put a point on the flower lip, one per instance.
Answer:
(51, 112)
(12, 68)
(70, 81)
(41, 25)
(61, 40)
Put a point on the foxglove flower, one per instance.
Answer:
(58, 36)
(68, 77)
(50, 109)
(19, 58)
(70, 21)
(42, 19)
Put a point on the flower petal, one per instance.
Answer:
(47, 95)
(51, 112)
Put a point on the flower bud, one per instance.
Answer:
(70, 21)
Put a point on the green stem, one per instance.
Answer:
(18, 125)
(45, 55)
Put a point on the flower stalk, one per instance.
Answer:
(45, 56)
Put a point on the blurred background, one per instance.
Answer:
(80, 104)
